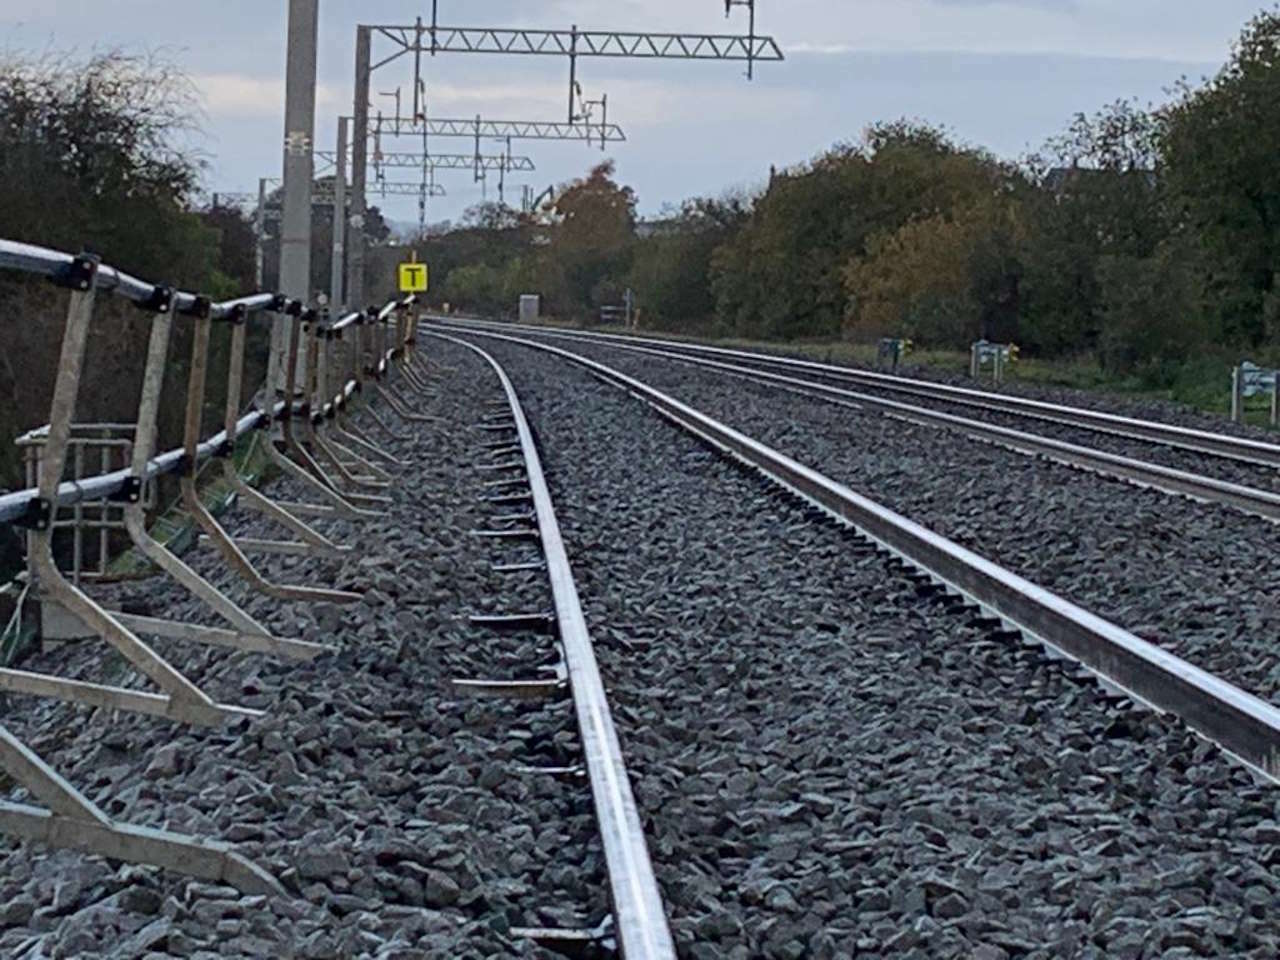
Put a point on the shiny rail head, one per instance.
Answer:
(1262, 503)
(642, 929)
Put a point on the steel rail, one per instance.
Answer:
(1241, 723)
(642, 929)
(1188, 438)
(1262, 503)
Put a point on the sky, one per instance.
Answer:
(1003, 74)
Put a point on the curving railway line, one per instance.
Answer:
(1181, 556)
(640, 920)
(713, 703)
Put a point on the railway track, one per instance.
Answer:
(829, 753)
(1241, 723)
(1187, 576)
(405, 808)
(1168, 479)
(1240, 449)
(640, 927)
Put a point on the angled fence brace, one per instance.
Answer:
(419, 363)
(385, 364)
(308, 471)
(342, 428)
(248, 635)
(356, 357)
(404, 352)
(367, 504)
(328, 408)
(419, 360)
(181, 699)
(374, 348)
(342, 441)
(397, 403)
(220, 539)
(71, 821)
(312, 542)
(315, 440)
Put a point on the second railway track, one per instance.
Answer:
(1244, 724)
(1241, 449)
(1261, 502)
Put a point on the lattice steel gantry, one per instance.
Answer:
(479, 128)
(433, 38)
(438, 161)
(571, 43)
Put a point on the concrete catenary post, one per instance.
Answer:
(359, 170)
(337, 300)
(299, 147)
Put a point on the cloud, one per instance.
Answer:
(243, 95)
(1134, 29)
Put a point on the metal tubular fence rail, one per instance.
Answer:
(1262, 503)
(16, 507)
(1201, 441)
(68, 818)
(1241, 723)
(61, 267)
(642, 930)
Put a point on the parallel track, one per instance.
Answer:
(1261, 503)
(641, 926)
(1206, 442)
(1241, 723)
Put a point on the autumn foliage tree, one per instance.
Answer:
(592, 228)
(1218, 148)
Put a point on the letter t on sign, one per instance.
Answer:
(413, 278)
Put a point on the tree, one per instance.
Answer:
(90, 156)
(1218, 154)
(783, 275)
(1153, 310)
(671, 266)
(593, 226)
(236, 241)
(942, 281)
(1099, 197)
(477, 287)
(94, 156)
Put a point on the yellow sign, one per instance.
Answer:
(413, 278)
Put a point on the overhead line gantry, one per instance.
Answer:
(433, 39)
(495, 129)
